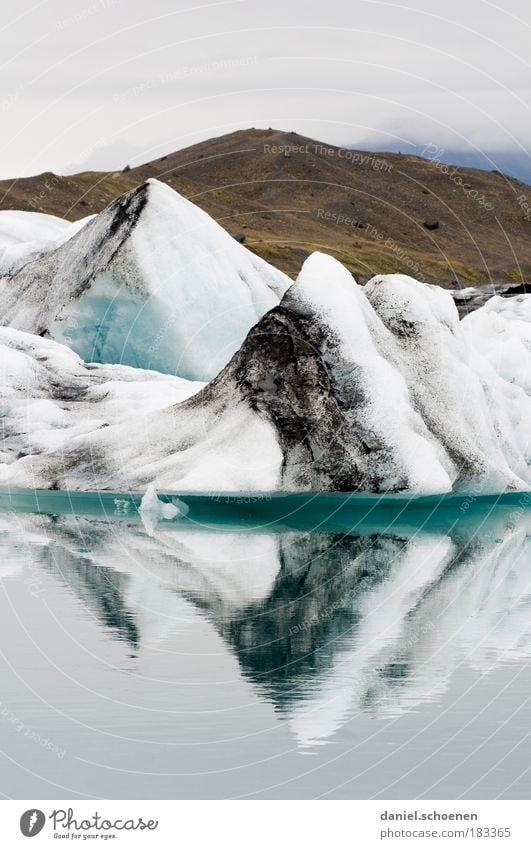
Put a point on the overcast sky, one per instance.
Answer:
(102, 83)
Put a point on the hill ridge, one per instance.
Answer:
(287, 195)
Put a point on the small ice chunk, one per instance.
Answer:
(152, 509)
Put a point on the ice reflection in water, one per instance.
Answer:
(324, 623)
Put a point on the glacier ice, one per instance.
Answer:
(151, 282)
(28, 236)
(338, 388)
(55, 406)
(501, 333)
(49, 396)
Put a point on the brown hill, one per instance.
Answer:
(288, 195)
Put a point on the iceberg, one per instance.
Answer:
(338, 388)
(153, 510)
(151, 282)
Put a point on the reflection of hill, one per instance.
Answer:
(324, 624)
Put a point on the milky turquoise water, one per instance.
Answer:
(286, 646)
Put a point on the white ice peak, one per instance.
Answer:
(152, 281)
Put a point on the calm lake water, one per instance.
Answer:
(282, 648)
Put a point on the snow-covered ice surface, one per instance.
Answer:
(50, 397)
(479, 420)
(338, 388)
(152, 282)
(501, 333)
(70, 425)
(27, 236)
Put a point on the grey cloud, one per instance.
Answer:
(112, 76)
